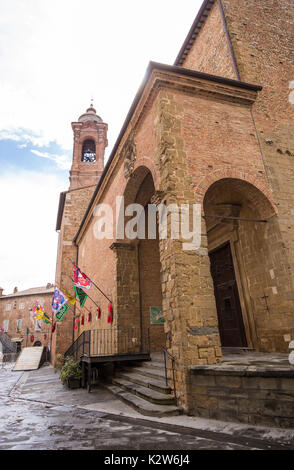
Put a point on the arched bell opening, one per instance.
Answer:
(88, 151)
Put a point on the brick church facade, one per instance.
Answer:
(215, 129)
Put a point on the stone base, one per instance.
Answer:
(251, 388)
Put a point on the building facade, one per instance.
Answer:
(214, 129)
(17, 319)
(90, 141)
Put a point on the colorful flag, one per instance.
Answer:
(110, 314)
(80, 279)
(46, 319)
(71, 298)
(61, 312)
(39, 313)
(76, 323)
(58, 300)
(38, 325)
(38, 310)
(81, 295)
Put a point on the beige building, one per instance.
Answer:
(17, 319)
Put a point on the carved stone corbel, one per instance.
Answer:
(129, 155)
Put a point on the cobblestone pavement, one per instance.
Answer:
(29, 421)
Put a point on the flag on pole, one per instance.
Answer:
(71, 298)
(58, 300)
(81, 280)
(61, 312)
(38, 310)
(76, 324)
(81, 295)
(46, 319)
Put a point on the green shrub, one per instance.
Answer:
(70, 369)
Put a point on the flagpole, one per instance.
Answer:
(86, 292)
(95, 285)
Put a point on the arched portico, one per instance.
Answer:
(139, 294)
(248, 266)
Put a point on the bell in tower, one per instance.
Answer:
(90, 141)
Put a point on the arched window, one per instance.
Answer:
(89, 151)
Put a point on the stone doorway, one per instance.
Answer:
(231, 326)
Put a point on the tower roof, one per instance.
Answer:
(90, 115)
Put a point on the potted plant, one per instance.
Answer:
(71, 373)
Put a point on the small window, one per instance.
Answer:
(21, 306)
(89, 151)
(18, 325)
(5, 325)
(8, 307)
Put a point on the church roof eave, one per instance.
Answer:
(194, 30)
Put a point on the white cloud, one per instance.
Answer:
(62, 161)
(55, 55)
(28, 241)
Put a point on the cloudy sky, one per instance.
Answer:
(55, 56)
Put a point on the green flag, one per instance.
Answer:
(81, 295)
(60, 314)
(46, 319)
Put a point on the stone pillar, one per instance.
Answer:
(127, 294)
(191, 323)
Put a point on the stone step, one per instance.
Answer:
(153, 365)
(150, 372)
(144, 407)
(144, 392)
(155, 384)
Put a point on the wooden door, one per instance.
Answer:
(232, 332)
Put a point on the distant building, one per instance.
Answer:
(17, 319)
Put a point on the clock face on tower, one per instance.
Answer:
(89, 151)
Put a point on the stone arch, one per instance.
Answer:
(259, 182)
(138, 265)
(241, 218)
(149, 163)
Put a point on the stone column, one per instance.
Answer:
(189, 307)
(126, 294)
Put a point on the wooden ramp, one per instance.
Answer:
(29, 358)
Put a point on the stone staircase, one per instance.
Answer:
(8, 346)
(143, 387)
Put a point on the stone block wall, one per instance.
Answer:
(264, 397)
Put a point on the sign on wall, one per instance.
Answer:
(156, 316)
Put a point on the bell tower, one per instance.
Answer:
(90, 141)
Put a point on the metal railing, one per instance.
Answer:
(80, 347)
(7, 360)
(169, 356)
(110, 342)
(7, 345)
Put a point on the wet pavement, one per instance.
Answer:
(38, 413)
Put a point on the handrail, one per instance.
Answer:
(109, 342)
(166, 353)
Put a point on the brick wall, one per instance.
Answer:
(20, 308)
(210, 53)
